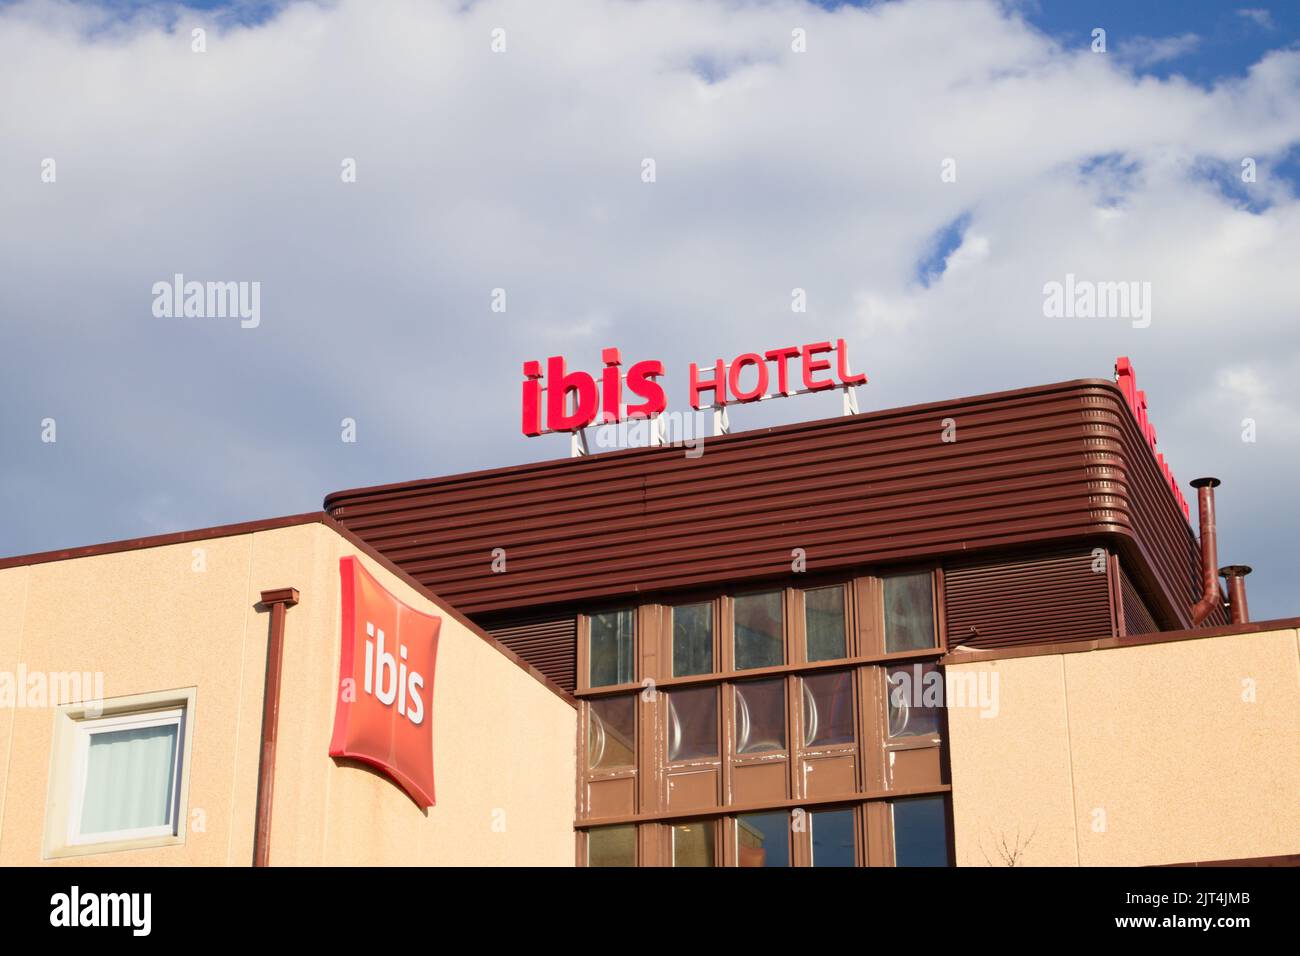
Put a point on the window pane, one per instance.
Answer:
(824, 622)
(611, 647)
(758, 630)
(760, 716)
(693, 724)
(909, 612)
(828, 709)
(693, 844)
(611, 733)
(130, 779)
(915, 700)
(611, 846)
(832, 838)
(692, 639)
(762, 839)
(920, 832)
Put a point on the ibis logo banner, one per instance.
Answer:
(385, 703)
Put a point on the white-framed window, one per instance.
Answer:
(120, 774)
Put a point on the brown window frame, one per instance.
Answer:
(584, 684)
(583, 845)
(860, 850)
(729, 645)
(666, 637)
(808, 758)
(731, 833)
(872, 828)
(738, 764)
(872, 783)
(590, 778)
(666, 838)
(700, 779)
(800, 620)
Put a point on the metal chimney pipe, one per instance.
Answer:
(1210, 598)
(1236, 575)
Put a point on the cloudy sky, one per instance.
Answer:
(521, 169)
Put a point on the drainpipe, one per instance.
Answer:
(1236, 575)
(1210, 598)
(279, 601)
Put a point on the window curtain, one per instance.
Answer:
(129, 779)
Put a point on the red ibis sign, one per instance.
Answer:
(385, 708)
(558, 400)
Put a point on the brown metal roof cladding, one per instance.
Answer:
(1052, 463)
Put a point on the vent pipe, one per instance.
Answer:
(1210, 598)
(1236, 575)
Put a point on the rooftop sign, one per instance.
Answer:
(558, 400)
(1137, 402)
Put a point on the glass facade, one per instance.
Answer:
(848, 710)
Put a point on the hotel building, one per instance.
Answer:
(981, 631)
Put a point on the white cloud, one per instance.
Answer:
(1147, 51)
(521, 170)
(1257, 15)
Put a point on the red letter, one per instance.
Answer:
(639, 383)
(558, 385)
(760, 386)
(532, 399)
(611, 391)
(782, 359)
(842, 363)
(1143, 422)
(1126, 382)
(820, 365)
(718, 386)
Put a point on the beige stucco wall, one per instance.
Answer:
(1133, 756)
(503, 743)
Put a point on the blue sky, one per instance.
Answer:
(776, 171)
(1227, 38)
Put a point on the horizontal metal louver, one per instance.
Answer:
(549, 643)
(1026, 600)
(1137, 618)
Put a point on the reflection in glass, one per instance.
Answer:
(762, 839)
(759, 634)
(692, 724)
(828, 708)
(824, 623)
(611, 644)
(611, 732)
(920, 832)
(915, 700)
(832, 837)
(611, 846)
(909, 612)
(693, 843)
(760, 715)
(692, 639)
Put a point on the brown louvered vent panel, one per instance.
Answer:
(1138, 618)
(549, 643)
(1026, 600)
